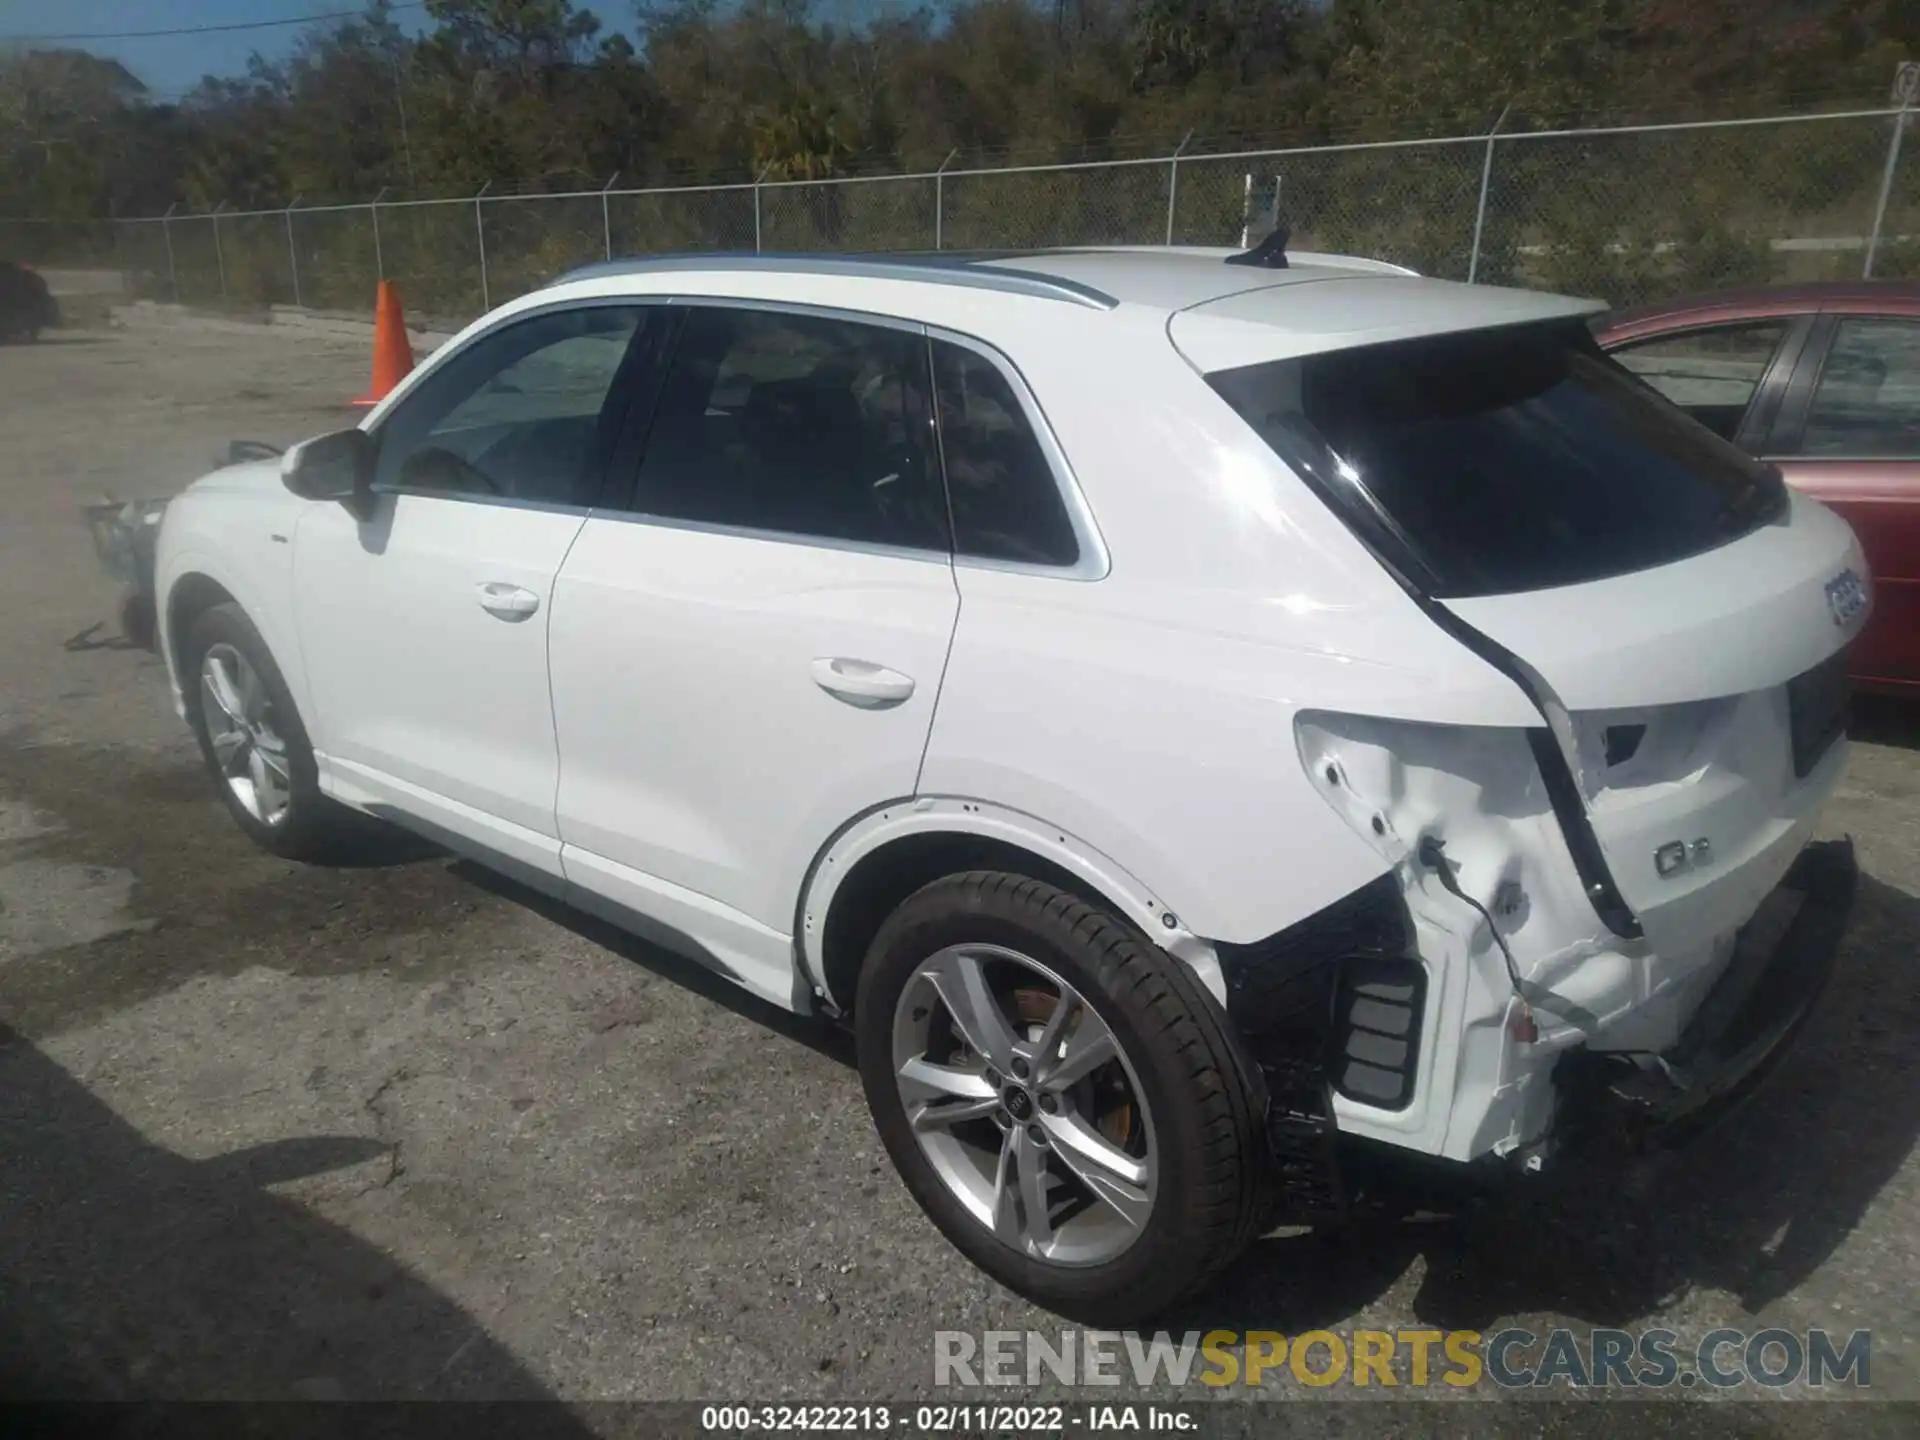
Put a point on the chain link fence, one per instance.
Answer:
(1626, 214)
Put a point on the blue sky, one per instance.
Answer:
(175, 64)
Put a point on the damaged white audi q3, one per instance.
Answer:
(1212, 725)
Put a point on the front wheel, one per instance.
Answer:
(253, 741)
(1059, 1096)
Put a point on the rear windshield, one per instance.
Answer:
(1504, 460)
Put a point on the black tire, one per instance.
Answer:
(1211, 1189)
(314, 827)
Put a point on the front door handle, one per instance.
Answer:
(861, 682)
(507, 602)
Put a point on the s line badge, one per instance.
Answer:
(1846, 597)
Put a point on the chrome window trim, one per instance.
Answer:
(804, 309)
(941, 558)
(1802, 457)
(502, 502)
(1093, 562)
(935, 270)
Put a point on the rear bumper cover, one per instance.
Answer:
(1747, 1021)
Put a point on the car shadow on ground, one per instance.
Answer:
(129, 1272)
(821, 1035)
(1754, 1207)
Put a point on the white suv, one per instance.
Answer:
(1212, 725)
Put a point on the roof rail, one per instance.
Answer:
(950, 268)
(1324, 259)
(1364, 263)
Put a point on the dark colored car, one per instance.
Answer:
(26, 306)
(1823, 380)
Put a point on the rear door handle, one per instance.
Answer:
(861, 682)
(507, 602)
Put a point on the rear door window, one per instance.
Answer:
(1866, 405)
(797, 425)
(1497, 461)
(1712, 373)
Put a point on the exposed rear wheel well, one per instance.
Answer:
(879, 882)
(192, 597)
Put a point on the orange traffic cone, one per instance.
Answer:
(392, 354)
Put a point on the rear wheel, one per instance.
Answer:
(253, 741)
(1059, 1096)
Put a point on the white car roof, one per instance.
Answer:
(1257, 326)
(1103, 277)
(1218, 315)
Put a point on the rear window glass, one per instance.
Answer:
(1504, 460)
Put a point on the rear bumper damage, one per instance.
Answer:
(1333, 1007)
(1745, 1023)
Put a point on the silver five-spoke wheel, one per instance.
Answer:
(1024, 1104)
(251, 756)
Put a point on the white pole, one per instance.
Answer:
(219, 256)
(166, 230)
(1486, 179)
(1173, 184)
(480, 233)
(757, 181)
(293, 255)
(940, 199)
(379, 256)
(1886, 188)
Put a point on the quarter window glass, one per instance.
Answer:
(796, 424)
(1867, 403)
(515, 415)
(1711, 374)
(1006, 501)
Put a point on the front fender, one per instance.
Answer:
(264, 590)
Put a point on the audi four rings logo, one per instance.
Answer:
(1846, 597)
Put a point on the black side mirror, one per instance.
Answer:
(333, 467)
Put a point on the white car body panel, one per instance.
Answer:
(1739, 618)
(1342, 310)
(699, 744)
(1162, 728)
(754, 956)
(224, 527)
(418, 690)
(1699, 652)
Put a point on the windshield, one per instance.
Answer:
(1504, 460)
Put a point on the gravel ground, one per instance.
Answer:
(403, 1131)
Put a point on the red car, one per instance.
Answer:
(1823, 380)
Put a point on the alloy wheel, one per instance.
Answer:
(1025, 1104)
(238, 714)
